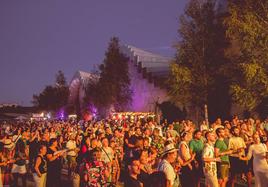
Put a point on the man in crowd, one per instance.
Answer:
(221, 150)
(237, 145)
(210, 167)
(169, 156)
(196, 146)
(133, 172)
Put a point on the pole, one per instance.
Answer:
(206, 113)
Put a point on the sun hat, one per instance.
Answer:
(170, 148)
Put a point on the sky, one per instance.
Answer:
(38, 38)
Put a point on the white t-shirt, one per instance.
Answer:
(167, 168)
(209, 167)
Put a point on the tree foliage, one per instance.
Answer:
(247, 28)
(199, 56)
(113, 87)
(60, 79)
(53, 97)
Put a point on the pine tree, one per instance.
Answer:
(113, 88)
(60, 79)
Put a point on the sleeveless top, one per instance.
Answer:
(43, 165)
(188, 155)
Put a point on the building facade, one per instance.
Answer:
(148, 73)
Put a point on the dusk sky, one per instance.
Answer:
(38, 38)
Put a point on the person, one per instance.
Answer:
(2, 162)
(96, 172)
(169, 156)
(19, 167)
(260, 166)
(173, 132)
(115, 172)
(85, 148)
(196, 146)
(133, 172)
(54, 164)
(218, 124)
(221, 150)
(71, 154)
(107, 155)
(185, 155)
(33, 147)
(107, 152)
(203, 126)
(157, 140)
(237, 145)
(145, 168)
(40, 167)
(209, 159)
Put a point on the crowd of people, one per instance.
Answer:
(134, 153)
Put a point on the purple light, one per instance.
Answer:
(92, 110)
(61, 114)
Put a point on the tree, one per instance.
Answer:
(60, 79)
(247, 28)
(53, 97)
(113, 87)
(195, 70)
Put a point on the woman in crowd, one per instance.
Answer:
(54, 164)
(260, 166)
(60, 141)
(40, 167)
(185, 155)
(19, 167)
